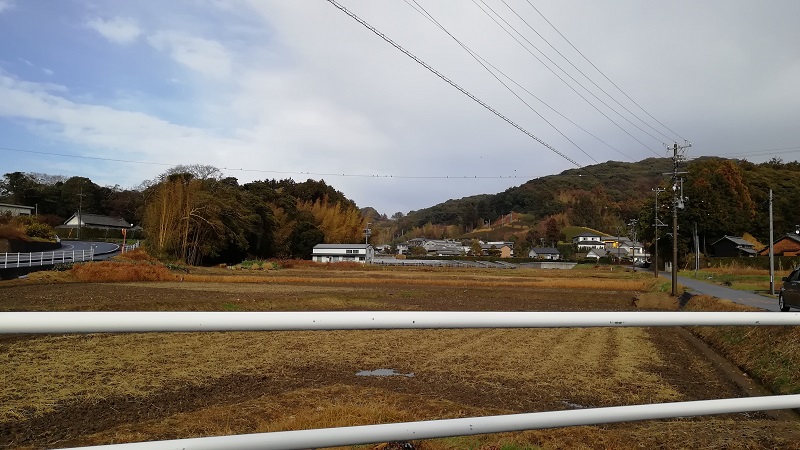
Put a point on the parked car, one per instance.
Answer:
(789, 297)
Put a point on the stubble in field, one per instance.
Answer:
(92, 389)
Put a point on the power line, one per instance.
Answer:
(603, 74)
(453, 84)
(587, 77)
(428, 16)
(487, 63)
(280, 172)
(554, 72)
(766, 151)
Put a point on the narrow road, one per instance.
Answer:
(734, 295)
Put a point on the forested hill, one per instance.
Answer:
(587, 196)
(725, 196)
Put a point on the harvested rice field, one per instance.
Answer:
(70, 390)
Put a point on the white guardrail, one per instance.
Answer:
(135, 322)
(12, 260)
(46, 258)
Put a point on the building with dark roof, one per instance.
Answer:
(732, 246)
(786, 245)
(96, 221)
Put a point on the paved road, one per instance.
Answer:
(734, 295)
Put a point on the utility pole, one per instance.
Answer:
(632, 224)
(696, 251)
(771, 250)
(656, 223)
(80, 207)
(677, 202)
(367, 233)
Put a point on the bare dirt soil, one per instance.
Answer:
(68, 390)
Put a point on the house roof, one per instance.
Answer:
(345, 246)
(601, 252)
(103, 221)
(735, 240)
(545, 250)
(587, 234)
(9, 205)
(790, 236)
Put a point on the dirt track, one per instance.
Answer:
(80, 390)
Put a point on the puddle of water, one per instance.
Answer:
(383, 373)
(571, 405)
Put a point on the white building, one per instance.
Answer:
(588, 241)
(16, 210)
(327, 253)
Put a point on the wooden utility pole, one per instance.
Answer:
(771, 250)
(80, 207)
(656, 223)
(677, 202)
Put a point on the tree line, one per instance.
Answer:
(195, 215)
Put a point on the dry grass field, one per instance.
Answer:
(67, 390)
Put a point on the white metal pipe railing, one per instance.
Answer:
(368, 434)
(149, 321)
(52, 257)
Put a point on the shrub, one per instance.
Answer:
(24, 228)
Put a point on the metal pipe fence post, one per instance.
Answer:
(5, 261)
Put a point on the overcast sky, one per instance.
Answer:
(276, 89)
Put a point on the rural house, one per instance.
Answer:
(505, 250)
(732, 246)
(326, 253)
(588, 241)
(597, 253)
(96, 221)
(545, 253)
(786, 245)
(16, 210)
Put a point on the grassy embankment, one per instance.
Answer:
(770, 355)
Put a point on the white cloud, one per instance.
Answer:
(5, 5)
(102, 130)
(206, 56)
(118, 30)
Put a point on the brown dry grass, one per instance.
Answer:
(532, 279)
(171, 385)
(770, 354)
(56, 369)
(121, 271)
